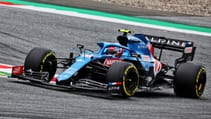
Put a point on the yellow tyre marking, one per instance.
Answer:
(124, 87)
(198, 88)
(44, 59)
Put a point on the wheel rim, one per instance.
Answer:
(200, 82)
(48, 65)
(130, 82)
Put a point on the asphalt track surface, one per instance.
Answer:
(21, 30)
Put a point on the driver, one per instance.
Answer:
(115, 51)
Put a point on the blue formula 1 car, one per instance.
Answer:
(120, 68)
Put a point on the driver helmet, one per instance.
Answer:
(115, 51)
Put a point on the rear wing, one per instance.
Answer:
(186, 47)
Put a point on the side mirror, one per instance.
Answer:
(80, 47)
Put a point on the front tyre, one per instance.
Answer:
(41, 60)
(190, 80)
(123, 79)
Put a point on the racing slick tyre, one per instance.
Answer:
(41, 60)
(123, 79)
(190, 80)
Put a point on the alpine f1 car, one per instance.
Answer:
(120, 68)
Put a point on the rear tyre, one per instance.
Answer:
(41, 60)
(123, 79)
(190, 80)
